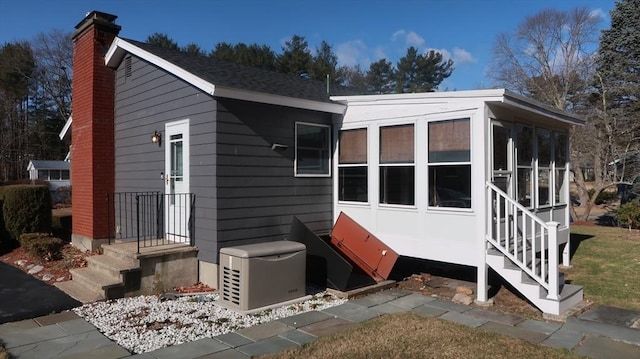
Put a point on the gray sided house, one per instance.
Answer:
(210, 155)
(253, 146)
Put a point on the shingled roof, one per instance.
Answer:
(221, 78)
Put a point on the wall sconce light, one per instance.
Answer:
(156, 138)
(278, 147)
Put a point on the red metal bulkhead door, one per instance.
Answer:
(363, 248)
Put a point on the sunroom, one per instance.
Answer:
(459, 177)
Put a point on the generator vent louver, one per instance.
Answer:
(231, 285)
(260, 275)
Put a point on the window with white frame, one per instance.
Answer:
(352, 166)
(524, 175)
(397, 166)
(545, 148)
(313, 144)
(449, 162)
(560, 165)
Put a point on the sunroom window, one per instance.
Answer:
(397, 167)
(352, 166)
(524, 144)
(312, 150)
(450, 163)
(544, 166)
(560, 164)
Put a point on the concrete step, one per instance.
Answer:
(125, 252)
(96, 281)
(79, 292)
(112, 266)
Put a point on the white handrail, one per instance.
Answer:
(502, 230)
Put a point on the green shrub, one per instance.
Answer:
(604, 196)
(26, 209)
(628, 215)
(41, 245)
(61, 226)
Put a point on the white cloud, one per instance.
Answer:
(414, 39)
(397, 34)
(446, 55)
(352, 53)
(410, 38)
(462, 56)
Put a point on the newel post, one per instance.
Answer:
(554, 257)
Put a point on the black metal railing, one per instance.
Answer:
(151, 218)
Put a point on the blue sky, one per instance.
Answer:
(360, 31)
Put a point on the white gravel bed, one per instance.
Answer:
(143, 324)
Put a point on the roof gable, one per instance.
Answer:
(225, 79)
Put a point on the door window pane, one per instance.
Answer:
(560, 149)
(544, 148)
(524, 186)
(524, 145)
(501, 137)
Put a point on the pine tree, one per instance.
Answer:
(618, 81)
(381, 77)
(296, 57)
(421, 73)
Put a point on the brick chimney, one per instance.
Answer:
(92, 131)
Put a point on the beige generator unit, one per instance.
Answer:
(259, 275)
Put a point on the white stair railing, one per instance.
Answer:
(521, 236)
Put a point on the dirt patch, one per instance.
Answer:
(504, 300)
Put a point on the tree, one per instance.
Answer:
(249, 55)
(16, 70)
(325, 63)
(421, 73)
(296, 57)
(162, 40)
(618, 83)
(194, 49)
(381, 77)
(50, 104)
(550, 57)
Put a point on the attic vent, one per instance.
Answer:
(127, 66)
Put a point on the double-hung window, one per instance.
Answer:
(352, 166)
(313, 143)
(450, 163)
(397, 166)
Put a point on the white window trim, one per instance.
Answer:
(329, 151)
(404, 164)
(438, 164)
(366, 165)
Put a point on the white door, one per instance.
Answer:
(177, 198)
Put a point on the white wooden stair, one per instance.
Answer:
(570, 295)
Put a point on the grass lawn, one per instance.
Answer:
(407, 335)
(606, 263)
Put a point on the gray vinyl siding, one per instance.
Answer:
(145, 101)
(258, 194)
(245, 192)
